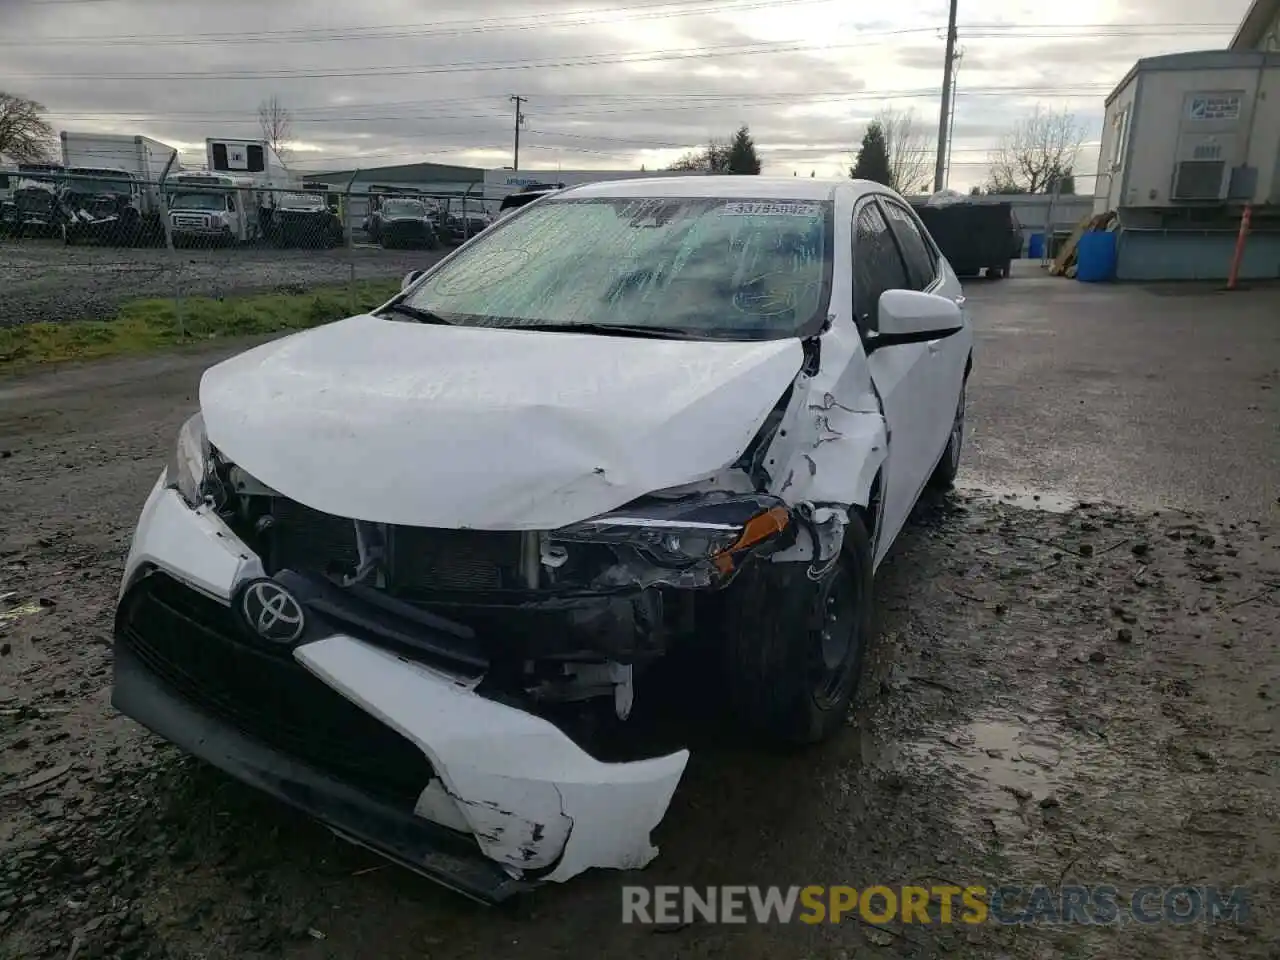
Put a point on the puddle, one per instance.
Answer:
(1007, 756)
(1048, 501)
(1008, 769)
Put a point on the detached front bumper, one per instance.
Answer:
(392, 753)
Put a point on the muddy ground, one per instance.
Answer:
(1060, 693)
(46, 281)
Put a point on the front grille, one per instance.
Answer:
(191, 221)
(195, 645)
(422, 561)
(405, 228)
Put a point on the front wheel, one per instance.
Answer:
(795, 646)
(944, 474)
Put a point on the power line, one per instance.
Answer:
(648, 56)
(446, 28)
(589, 17)
(477, 66)
(694, 102)
(710, 99)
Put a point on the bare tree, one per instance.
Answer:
(25, 136)
(910, 158)
(713, 158)
(1040, 150)
(277, 126)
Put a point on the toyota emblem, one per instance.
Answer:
(272, 612)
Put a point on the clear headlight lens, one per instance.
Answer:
(189, 462)
(683, 533)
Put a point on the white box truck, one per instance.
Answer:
(211, 209)
(113, 185)
(256, 161)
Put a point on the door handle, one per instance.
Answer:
(959, 300)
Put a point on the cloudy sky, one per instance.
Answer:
(610, 83)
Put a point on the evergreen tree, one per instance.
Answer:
(873, 157)
(742, 153)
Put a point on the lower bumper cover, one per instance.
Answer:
(440, 854)
(505, 784)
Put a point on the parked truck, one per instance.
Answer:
(112, 188)
(212, 208)
(256, 162)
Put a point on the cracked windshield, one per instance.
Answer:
(707, 266)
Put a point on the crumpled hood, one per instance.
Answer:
(436, 426)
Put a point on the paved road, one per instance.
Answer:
(1148, 396)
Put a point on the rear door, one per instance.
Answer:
(900, 373)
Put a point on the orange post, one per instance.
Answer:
(1245, 219)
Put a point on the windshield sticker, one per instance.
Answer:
(772, 208)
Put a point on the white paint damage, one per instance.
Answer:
(533, 798)
(195, 546)
(484, 428)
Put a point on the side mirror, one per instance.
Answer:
(909, 316)
(411, 278)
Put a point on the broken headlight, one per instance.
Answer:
(189, 463)
(682, 533)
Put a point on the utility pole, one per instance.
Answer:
(944, 115)
(951, 122)
(518, 101)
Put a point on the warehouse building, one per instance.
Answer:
(1189, 141)
(499, 183)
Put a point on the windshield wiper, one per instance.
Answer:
(615, 330)
(417, 313)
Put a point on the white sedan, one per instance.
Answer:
(402, 568)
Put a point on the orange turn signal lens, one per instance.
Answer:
(759, 528)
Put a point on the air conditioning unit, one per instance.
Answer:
(1200, 172)
(1208, 144)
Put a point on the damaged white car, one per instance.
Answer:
(397, 563)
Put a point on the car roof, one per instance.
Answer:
(746, 187)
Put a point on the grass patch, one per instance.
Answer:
(143, 325)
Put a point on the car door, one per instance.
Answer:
(900, 373)
(946, 356)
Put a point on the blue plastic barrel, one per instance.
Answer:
(1035, 246)
(1096, 257)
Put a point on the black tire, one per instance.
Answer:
(791, 678)
(944, 474)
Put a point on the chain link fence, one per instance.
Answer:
(87, 247)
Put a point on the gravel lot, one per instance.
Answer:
(1060, 692)
(47, 281)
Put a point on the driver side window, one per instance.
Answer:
(231, 204)
(877, 266)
